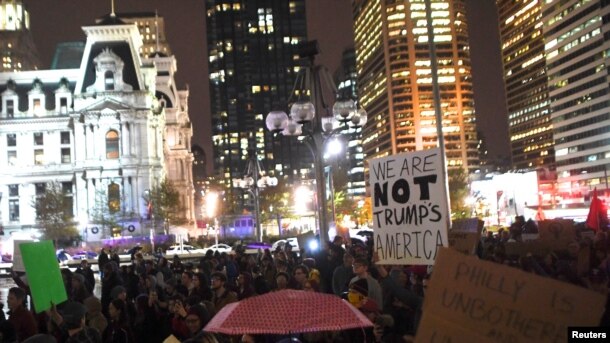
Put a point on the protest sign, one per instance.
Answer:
(44, 277)
(410, 214)
(467, 225)
(470, 300)
(464, 242)
(17, 259)
(562, 230)
(535, 247)
(465, 235)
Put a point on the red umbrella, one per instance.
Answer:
(285, 312)
(598, 214)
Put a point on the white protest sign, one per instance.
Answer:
(17, 259)
(410, 215)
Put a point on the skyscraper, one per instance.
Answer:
(395, 81)
(253, 62)
(527, 97)
(152, 30)
(17, 48)
(347, 86)
(576, 56)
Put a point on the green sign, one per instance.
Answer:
(44, 277)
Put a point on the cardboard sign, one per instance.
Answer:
(464, 242)
(17, 259)
(470, 300)
(410, 215)
(536, 247)
(467, 225)
(465, 235)
(44, 277)
(557, 230)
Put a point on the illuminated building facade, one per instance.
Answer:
(253, 63)
(395, 83)
(152, 31)
(576, 54)
(199, 182)
(17, 49)
(106, 132)
(527, 97)
(347, 78)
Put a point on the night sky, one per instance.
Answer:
(329, 21)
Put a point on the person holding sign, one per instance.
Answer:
(22, 320)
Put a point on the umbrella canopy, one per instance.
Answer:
(285, 312)
(598, 214)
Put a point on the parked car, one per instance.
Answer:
(220, 247)
(184, 249)
(62, 256)
(253, 247)
(88, 255)
(282, 243)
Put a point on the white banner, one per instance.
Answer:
(410, 214)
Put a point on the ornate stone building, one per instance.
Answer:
(111, 129)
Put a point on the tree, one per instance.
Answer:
(275, 203)
(458, 191)
(166, 204)
(103, 214)
(343, 206)
(54, 214)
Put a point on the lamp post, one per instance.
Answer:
(315, 131)
(253, 181)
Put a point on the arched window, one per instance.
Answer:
(109, 80)
(114, 197)
(112, 144)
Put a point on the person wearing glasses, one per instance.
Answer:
(221, 296)
(360, 267)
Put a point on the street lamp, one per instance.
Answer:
(253, 181)
(211, 205)
(316, 131)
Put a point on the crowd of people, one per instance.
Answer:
(154, 298)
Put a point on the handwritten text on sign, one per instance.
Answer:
(469, 300)
(409, 207)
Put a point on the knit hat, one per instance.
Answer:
(72, 313)
(114, 294)
(361, 286)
